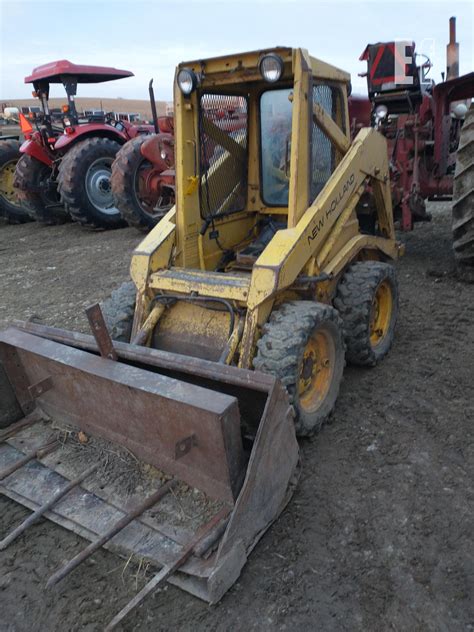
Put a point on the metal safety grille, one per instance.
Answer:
(323, 155)
(223, 136)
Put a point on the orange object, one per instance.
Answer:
(26, 126)
(65, 108)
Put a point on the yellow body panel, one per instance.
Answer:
(196, 251)
(216, 284)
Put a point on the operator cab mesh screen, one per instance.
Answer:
(323, 154)
(223, 137)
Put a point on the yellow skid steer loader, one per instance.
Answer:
(248, 297)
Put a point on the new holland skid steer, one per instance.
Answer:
(247, 299)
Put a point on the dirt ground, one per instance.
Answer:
(379, 535)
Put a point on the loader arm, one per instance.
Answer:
(291, 249)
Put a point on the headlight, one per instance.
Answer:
(381, 112)
(271, 67)
(66, 121)
(163, 154)
(459, 110)
(187, 81)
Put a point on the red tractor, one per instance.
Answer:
(143, 176)
(65, 170)
(430, 133)
(143, 173)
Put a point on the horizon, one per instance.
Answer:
(212, 28)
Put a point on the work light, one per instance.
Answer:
(381, 111)
(187, 81)
(271, 67)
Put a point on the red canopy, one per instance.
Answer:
(53, 72)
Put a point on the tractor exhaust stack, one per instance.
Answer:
(452, 52)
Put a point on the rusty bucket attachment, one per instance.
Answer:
(222, 434)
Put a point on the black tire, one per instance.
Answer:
(357, 305)
(125, 173)
(11, 209)
(118, 311)
(281, 352)
(463, 201)
(84, 183)
(37, 193)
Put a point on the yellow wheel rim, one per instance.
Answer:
(7, 175)
(381, 314)
(317, 369)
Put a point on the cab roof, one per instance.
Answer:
(246, 63)
(55, 71)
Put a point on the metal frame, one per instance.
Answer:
(181, 240)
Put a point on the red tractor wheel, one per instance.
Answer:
(138, 187)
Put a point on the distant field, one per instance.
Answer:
(130, 106)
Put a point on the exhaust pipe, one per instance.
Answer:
(452, 52)
(151, 92)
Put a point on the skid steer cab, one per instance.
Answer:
(277, 253)
(272, 269)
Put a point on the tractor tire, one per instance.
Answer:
(118, 311)
(11, 209)
(124, 181)
(463, 201)
(367, 301)
(41, 203)
(297, 334)
(84, 183)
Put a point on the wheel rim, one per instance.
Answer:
(147, 190)
(317, 370)
(7, 190)
(98, 187)
(381, 314)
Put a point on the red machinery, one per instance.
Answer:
(143, 173)
(67, 170)
(421, 121)
(143, 176)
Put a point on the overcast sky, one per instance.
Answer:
(150, 38)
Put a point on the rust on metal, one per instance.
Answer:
(40, 387)
(203, 535)
(165, 398)
(148, 326)
(100, 332)
(118, 526)
(36, 515)
(39, 453)
(33, 418)
(185, 445)
(158, 358)
(17, 376)
(163, 409)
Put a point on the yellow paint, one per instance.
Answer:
(216, 284)
(184, 255)
(193, 184)
(331, 129)
(381, 314)
(316, 371)
(151, 321)
(7, 176)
